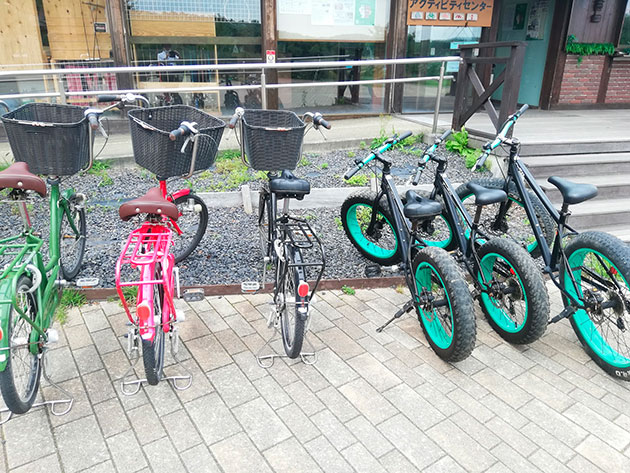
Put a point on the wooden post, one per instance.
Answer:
(270, 41)
(512, 84)
(463, 84)
(396, 48)
(118, 34)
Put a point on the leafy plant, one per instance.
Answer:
(304, 162)
(99, 166)
(362, 145)
(351, 154)
(458, 143)
(325, 166)
(228, 154)
(588, 49)
(339, 223)
(358, 180)
(348, 290)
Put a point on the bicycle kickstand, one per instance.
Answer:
(53, 403)
(408, 307)
(174, 351)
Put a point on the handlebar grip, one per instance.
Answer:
(351, 172)
(324, 123)
(108, 98)
(233, 121)
(523, 109)
(481, 161)
(93, 120)
(181, 131)
(416, 179)
(404, 136)
(446, 134)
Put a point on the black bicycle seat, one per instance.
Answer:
(485, 196)
(572, 192)
(288, 186)
(418, 207)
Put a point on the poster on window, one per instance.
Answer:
(537, 20)
(450, 12)
(332, 12)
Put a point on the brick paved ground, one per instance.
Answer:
(373, 402)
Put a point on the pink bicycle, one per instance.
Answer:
(147, 261)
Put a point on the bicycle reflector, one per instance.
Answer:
(303, 289)
(1, 333)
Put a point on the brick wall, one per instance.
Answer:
(580, 82)
(619, 85)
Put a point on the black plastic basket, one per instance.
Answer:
(272, 139)
(52, 139)
(153, 149)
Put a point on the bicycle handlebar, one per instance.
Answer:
(238, 113)
(500, 138)
(185, 129)
(389, 143)
(428, 154)
(319, 120)
(123, 98)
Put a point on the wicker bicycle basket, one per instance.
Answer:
(272, 139)
(52, 139)
(154, 151)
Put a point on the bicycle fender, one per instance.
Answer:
(6, 292)
(181, 192)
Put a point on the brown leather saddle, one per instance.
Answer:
(17, 176)
(151, 203)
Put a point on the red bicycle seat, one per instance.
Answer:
(17, 176)
(150, 203)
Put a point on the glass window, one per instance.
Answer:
(624, 42)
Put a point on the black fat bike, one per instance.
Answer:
(591, 269)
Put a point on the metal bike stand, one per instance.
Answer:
(308, 358)
(51, 404)
(134, 354)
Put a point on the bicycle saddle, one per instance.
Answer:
(17, 176)
(289, 186)
(150, 203)
(572, 192)
(418, 207)
(485, 196)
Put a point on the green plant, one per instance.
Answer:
(304, 162)
(348, 290)
(105, 180)
(69, 298)
(324, 166)
(458, 143)
(339, 223)
(4, 166)
(362, 145)
(228, 154)
(99, 166)
(205, 174)
(358, 180)
(351, 154)
(588, 49)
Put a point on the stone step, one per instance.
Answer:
(542, 148)
(578, 165)
(595, 214)
(609, 187)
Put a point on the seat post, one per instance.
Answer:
(477, 218)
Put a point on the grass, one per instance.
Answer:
(348, 290)
(99, 168)
(69, 298)
(130, 293)
(228, 154)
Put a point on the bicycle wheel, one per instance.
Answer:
(517, 306)
(600, 264)
(153, 350)
(72, 241)
(516, 223)
(445, 309)
(20, 379)
(382, 246)
(289, 301)
(193, 221)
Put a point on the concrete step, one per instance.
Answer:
(620, 231)
(595, 214)
(578, 165)
(531, 148)
(612, 186)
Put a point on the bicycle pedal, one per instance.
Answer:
(53, 336)
(250, 287)
(86, 282)
(194, 295)
(180, 315)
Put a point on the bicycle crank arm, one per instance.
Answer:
(567, 312)
(408, 307)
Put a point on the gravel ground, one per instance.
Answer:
(229, 252)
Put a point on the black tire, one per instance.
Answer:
(521, 233)
(383, 247)
(71, 243)
(435, 272)
(264, 217)
(193, 224)
(292, 323)
(153, 350)
(520, 316)
(20, 379)
(604, 333)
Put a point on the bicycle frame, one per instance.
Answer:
(28, 261)
(145, 249)
(172, 198)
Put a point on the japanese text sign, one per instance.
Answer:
(450, 12)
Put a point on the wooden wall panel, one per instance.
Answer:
(144, 23)
(20, 41)
(71, 29)
(606, 31)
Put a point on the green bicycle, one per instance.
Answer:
(30, 287)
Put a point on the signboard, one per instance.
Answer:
(100, 27)
(450, 12)
(271, 56)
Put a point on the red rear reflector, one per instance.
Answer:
(1, 334)
(303, 289)
(613, 271)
